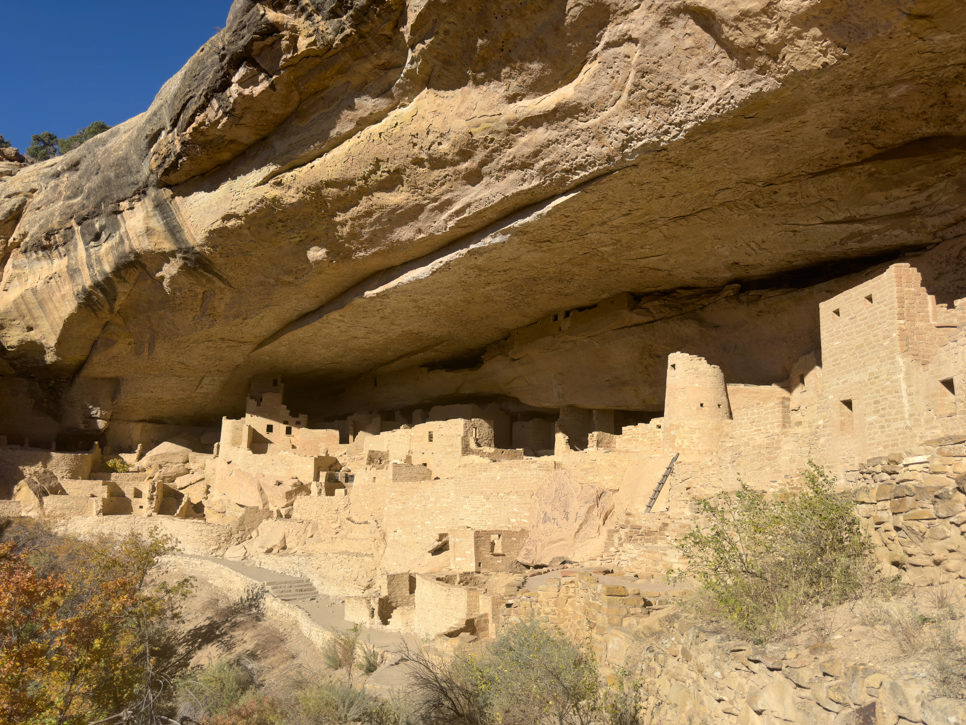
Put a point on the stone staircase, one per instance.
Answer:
(292, 590)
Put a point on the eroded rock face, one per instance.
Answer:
(334, 190)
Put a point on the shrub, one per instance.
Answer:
(623, 701)
(81, 634)
(214, 689)
(254, 708)
(447, 692)
(530, 674)
(250, 604)
(763, 561)
(340, 651)
(117, 464)
(369, 657)
(332, 702)
(535, 674)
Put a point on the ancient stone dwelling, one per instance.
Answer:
(445, 313)
(418, 520)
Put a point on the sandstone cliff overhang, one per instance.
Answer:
(339, 189)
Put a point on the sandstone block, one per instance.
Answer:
(776, 698)
(863, 494)
(944, 710)
(954, 566)
(900, 505)
(951, 505)
(820, 693)
(884, 492)
(903, 697)
(940, 531)
(804, 676)
(833, 667)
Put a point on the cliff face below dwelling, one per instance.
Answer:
(338, 191)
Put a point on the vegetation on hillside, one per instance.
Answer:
(530, 674)
(764, 561)
(4, 144)
(47, 145)
(83, 636)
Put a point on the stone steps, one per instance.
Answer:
(291, 590)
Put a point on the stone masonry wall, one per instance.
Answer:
(586, 607)
(915, 506)
(693, 677)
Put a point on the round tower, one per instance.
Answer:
(696, 404)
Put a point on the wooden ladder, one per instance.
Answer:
(660, 484)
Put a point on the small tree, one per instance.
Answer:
(4, 144)
(46, 145)
(85, 134)
(764, 560)
(43, 146)
(81, 634)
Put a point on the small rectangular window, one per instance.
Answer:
(430, 437)
(947, 397)
(845, 416)
(288, 430)
(269, 428)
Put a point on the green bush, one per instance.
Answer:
(214, 690)
(85, 134)
(117, 465)
(47, 145)
(331, 702)
(530, 674)
(764, 560)
(340, 651)
(534, 674)
(369, 657)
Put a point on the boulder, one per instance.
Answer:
(165, 454)
(567, 521)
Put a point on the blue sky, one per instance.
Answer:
(67, 63)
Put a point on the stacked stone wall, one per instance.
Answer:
(693, 677)
(67, 506)
(647, 543)
(483, 496)
(585, 607)
(442, 607)
(915, 507)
